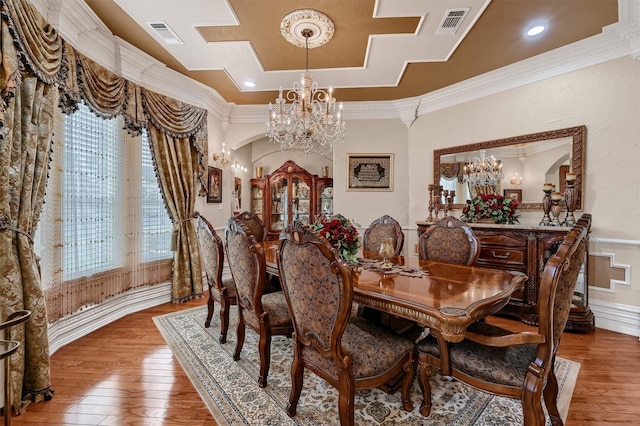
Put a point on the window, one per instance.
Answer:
(156, 224)
(91, 194)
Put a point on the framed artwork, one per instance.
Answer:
(369, 172)
(515, 194)
(214, 184)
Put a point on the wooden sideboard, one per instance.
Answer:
(526, 249)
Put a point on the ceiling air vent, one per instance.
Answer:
(166, 33)
(451, 20)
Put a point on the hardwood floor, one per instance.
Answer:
(124, 374)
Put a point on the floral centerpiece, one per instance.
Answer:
(341, 234)
(491, 206)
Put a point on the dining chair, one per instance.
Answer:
(383, 227)
(221, 290)
(8, 346)
(515, 365)
(347, 351)
(449, 240)
(267, 314)
(254, 223)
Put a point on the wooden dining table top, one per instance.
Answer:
(446, 296)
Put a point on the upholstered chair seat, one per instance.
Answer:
(501, 365)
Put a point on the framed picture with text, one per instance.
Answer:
(369, 172)
(214, 185)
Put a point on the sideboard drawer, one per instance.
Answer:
(503, 257)
(506, 239)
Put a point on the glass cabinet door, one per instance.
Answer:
(301, 201)
(325, 199)
(257, 200)
(279, 204)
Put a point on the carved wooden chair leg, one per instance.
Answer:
(297, 381)
(210, 307)
(240, 335)
(424, 373)
(409, 368)
(224, 321)
(346, 396)
(264, 348)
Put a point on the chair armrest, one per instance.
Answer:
(523, 338)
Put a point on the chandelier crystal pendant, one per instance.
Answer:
(307, 117)
(483, 170)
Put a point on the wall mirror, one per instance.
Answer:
(528, 162)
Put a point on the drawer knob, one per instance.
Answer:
(500, 256)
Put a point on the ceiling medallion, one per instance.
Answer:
(306, 117)
(295, 22)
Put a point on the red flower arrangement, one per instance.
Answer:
(341, 234)
(492, 206)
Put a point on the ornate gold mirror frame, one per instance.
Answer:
(578, 135)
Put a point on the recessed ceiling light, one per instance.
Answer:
(250, 83)
(535, 30)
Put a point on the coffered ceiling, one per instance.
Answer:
(380, 50)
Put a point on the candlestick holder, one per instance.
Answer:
(445, 204)
(571, 198)
(556, 209)
(546, 207)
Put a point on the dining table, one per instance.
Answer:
(445, 296)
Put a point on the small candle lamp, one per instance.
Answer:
(571, 197)
(547, 188)
(557, 200)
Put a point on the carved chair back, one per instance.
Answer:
(383, 227)
(348, 352)
(254, 223)
(212, 257)
(449, 240)
(267, 314)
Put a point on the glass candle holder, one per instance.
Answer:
(387, 252)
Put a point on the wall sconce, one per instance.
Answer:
(224, 157)
(515, 180)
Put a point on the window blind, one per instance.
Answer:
(156, 224)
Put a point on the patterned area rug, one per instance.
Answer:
(231, 391)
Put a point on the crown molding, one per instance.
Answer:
(77, 23)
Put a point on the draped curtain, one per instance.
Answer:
(39, 70)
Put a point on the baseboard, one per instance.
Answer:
(79, 324)
(616, 317)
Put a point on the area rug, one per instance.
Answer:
(230, 389)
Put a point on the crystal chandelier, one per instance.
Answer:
(311, 120)
(483, 170)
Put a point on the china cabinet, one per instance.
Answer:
(526, 249)
(290, 193)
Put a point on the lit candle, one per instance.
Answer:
(548, 187)
(570, 177)
(557, 196)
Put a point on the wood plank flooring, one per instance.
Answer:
(125, 374)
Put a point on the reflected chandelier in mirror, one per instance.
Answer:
(536, 158)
